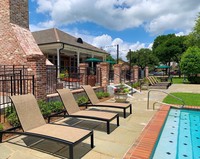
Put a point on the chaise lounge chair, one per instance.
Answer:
(95, 101)
(155, 80)
(33, 124)
(157, 85)
(73, 110)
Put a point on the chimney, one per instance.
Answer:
(17, 45)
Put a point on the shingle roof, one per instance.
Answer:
(55, 35)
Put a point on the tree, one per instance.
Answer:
(142, 58)
(190, 64)
(110, 58)
(169, 48)
(193, 39)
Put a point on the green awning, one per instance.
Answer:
(93, 60)
(162, 67)
(110, 62)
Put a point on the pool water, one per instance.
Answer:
(180, 137)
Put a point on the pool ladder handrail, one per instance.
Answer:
(183, 103)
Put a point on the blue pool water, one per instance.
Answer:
(180, 137)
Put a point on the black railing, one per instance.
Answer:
(51, 79)
(13, 82)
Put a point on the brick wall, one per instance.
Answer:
(17, 45)
(117, 73)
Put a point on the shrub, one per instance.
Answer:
(44, 108)
(106, 94)
(1, 127)
(82, 100)
(8, 111)
(11, 116)
(194, 79)
(136, 85)
(190, 64)
(100, 95)
(56, 106)
(13, 119)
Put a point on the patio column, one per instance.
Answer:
(146, 71)
(117, 73)
(135, 73)
(78, 58)
(58, 63)
(104, 74)
(83, 73)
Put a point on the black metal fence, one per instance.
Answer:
(51, 79)
(126, 76)
(14, 80)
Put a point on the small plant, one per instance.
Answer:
(106, 94)
(44, 108)
(121, 89)
(82, 100)
(56, 106)
(8, 111)
(1, 127)
(13, 119)
(11, 116)
(64, 74)
(136, 85)
(100, 95)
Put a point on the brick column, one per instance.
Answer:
(146, 71)
(83, 71)
(104, 74)
(37, 64)
(117, 73)
(135, 73)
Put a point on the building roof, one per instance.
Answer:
(55, 35)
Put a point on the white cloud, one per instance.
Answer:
(157, 16)
(154, 15)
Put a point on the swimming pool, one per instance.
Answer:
(180, 137)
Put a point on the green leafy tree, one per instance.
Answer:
(142, 58)
(169, 48)
(190, 64)
(193, 39)
(110, 58)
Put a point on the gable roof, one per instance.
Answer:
(55, 35)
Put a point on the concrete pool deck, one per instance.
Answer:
(112, 146)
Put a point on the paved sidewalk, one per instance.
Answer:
(112, 146)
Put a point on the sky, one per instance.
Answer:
(132, 24)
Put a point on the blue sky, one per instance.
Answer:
(133, 24)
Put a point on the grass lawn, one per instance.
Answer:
(192, 99)
(177, 80)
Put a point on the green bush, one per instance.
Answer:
(136, 84)
(194, 79)
(8, 111)
(44, 108)
(13, 119)
(11, 116)
(100, 95)
(190, 64)
(1, 127)
(106, 94)
(82, 100)
(56, 106)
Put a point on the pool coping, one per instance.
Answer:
(144, 145)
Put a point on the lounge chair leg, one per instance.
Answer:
(108, 127)
(118, 120)
(130, 108)
(71, 152)
(1, 137)
(124, 112)
(92, 140)
(49, 119)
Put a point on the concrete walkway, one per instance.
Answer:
(112, 146)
